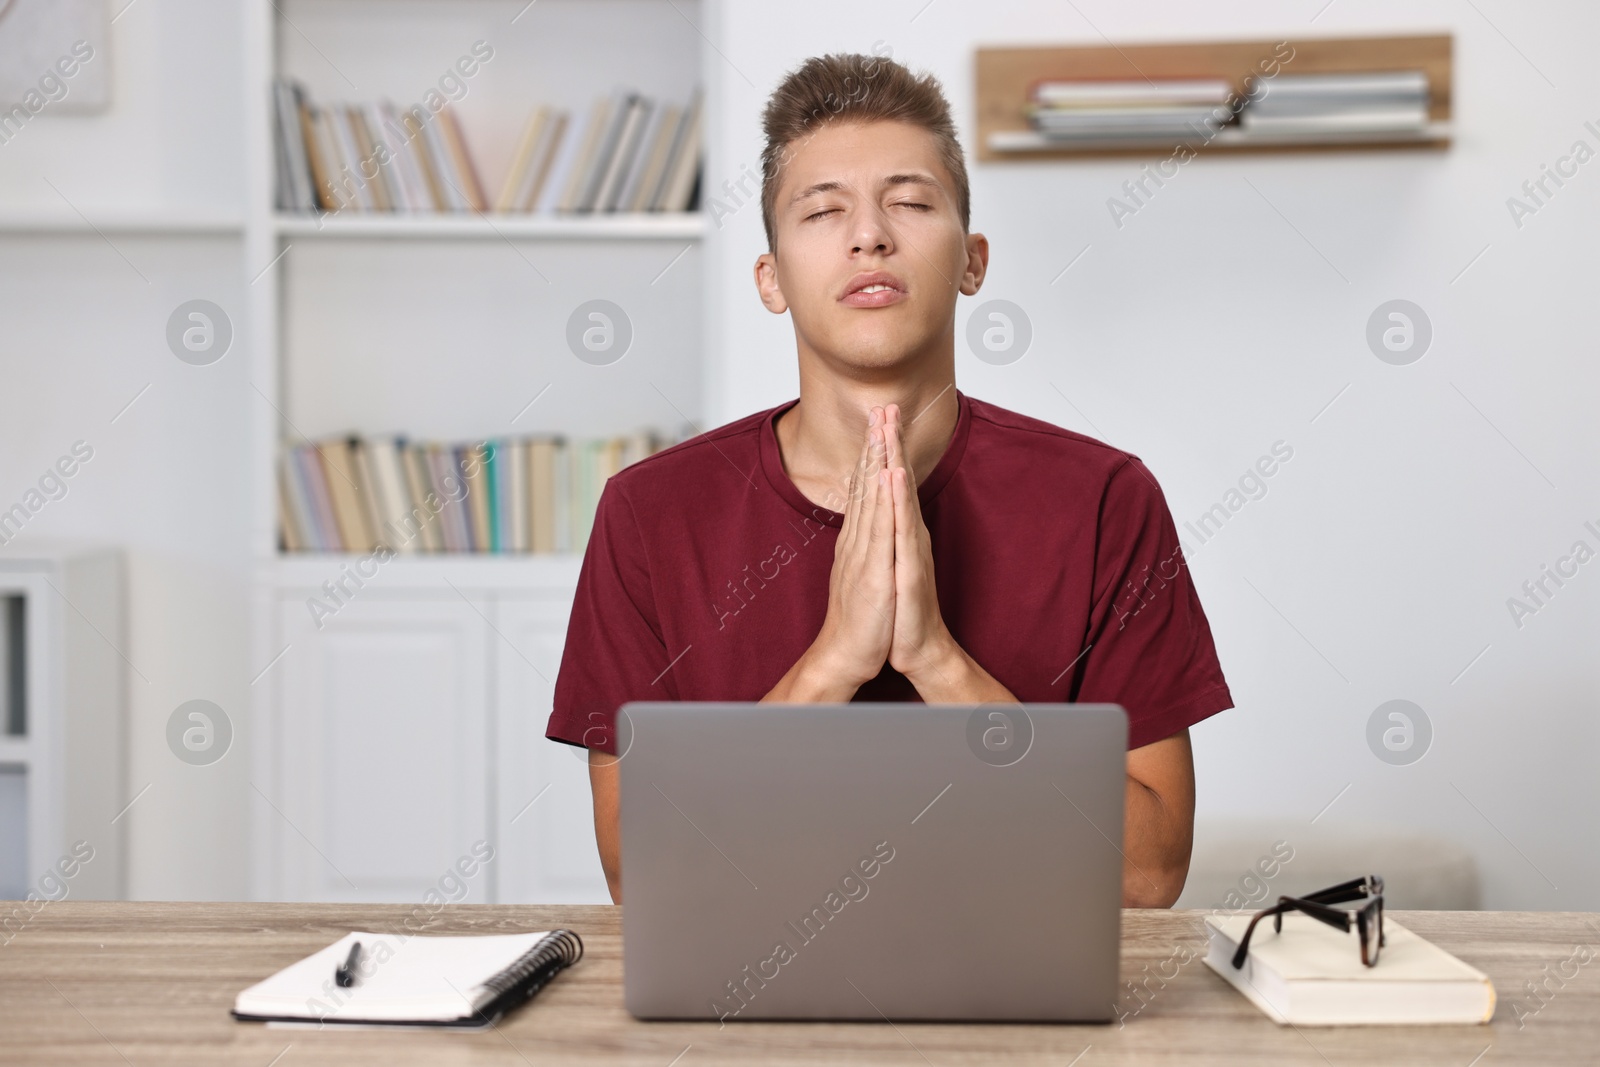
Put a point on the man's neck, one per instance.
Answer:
(820, 438)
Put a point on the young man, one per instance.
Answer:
(885, 536)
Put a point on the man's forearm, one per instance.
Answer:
(945, 674)
(813, 680)
(603, 785)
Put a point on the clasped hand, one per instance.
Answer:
(882, 604)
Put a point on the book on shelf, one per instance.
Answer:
(628, 152)
(654, 140)
(296, 184)
(1377, 120)
(474, 459)
(1093, 93)
(680, 182)
(1376, 102)
(531, 162)
(1149, 122)
(503, 495)
(608, 149)
(1068, 110)
(1325, 92)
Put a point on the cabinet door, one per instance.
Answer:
(382, 779)
(545, 819)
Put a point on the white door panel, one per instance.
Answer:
(546, 845)
(383, 772)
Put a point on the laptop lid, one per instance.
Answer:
(868, 861)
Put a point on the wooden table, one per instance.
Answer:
(147, 983)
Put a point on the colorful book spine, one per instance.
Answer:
(492, 499)
(504, 495)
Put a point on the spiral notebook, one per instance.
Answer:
(420, 980)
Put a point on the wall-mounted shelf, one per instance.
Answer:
(649, 226)
(1004, 76)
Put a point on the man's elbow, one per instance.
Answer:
(1156, 885)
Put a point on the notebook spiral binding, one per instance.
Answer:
(555, 952)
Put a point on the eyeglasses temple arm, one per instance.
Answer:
(1351, 890)
(1244, 942)
(1322, 912)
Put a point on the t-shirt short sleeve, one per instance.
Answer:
(614, 650)
(1150, 648)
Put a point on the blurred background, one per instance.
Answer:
(273, 275)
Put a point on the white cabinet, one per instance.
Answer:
(62, 711)
(409, 727)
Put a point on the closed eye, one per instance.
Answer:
(913, 203)
(820, 214)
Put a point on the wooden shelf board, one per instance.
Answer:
(1233, 139)
(1004, 76)
(642, 226)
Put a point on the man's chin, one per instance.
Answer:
(876, 364)
(875, 355)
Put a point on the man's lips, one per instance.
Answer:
(874, 289)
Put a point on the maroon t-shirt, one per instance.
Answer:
(1055, 558)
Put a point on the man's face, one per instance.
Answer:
(870, 250)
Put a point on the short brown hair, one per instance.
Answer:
(853, 87)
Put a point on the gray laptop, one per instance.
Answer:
(871, 861)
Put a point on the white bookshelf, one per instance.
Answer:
(441, 326)
(337, 301)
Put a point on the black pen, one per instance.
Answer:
(345, 973)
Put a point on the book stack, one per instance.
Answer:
(512, 494)
(628, 153)
(370, 157)
(1301, 105)
(1121, 111)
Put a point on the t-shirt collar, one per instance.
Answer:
(778, 478)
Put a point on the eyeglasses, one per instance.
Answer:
(1367, 919)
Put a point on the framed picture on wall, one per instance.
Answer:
(53, 58)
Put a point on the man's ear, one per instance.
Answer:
(977, 264)
(767, 283)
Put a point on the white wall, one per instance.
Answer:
(1208, 327)
(171, 136)
(84, 332)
